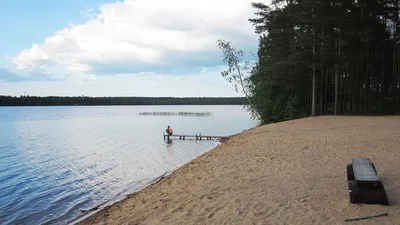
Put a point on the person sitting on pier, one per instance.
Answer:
(169, 130)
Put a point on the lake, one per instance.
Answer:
(58, 162)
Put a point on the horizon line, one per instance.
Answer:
(80, 96)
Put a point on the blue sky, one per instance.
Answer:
(38, 19)
(125, 48)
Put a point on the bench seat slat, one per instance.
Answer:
(363, 170)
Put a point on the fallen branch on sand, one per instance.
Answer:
(366, 217)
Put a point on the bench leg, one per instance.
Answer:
(350, 172)
(368, 196)
(373, 166)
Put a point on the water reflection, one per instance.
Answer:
(169, 144)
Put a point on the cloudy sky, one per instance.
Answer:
(124, 48)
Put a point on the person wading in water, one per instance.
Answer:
(169, 130)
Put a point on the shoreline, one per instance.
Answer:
(90, 212)
(292, 172)
(101, 206)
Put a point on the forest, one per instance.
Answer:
(319, 57)
(84, 100)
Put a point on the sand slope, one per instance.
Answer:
(285, 173)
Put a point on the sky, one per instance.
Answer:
(120, 48)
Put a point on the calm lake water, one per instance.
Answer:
(56, 162)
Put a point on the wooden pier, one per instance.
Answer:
(196, 136)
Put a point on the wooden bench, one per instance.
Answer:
(364, 183)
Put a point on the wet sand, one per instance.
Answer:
(285, 173)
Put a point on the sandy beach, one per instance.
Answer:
(285, 173)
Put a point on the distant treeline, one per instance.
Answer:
(84, 100)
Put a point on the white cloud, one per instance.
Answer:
(139, 35)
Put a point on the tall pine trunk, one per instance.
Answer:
(393, 90)
(382, 86)
(326, 89)
(395, 75)
(314, 77)
(321, 95)
(366, 83)
(337, 79)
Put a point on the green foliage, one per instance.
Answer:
(237, 71)
(321, 57)
(271, 101)
(237, 68)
